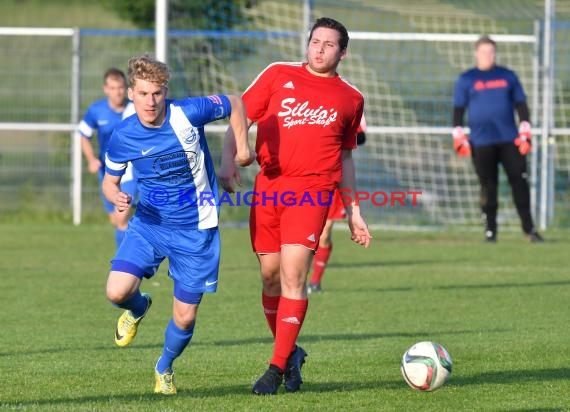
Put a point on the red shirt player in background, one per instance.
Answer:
(307, 117)
(337, 211)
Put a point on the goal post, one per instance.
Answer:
(28, 34)
(408, 106)
(406, 77)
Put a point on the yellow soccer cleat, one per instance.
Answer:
(127, 325)
(164, 382)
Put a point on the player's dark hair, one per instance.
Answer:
(485, 40)
(329, 23)
(114, 73)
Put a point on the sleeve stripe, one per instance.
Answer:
(85, 129)
(113, 165)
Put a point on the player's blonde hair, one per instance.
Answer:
(147, 68)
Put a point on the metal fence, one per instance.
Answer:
(404, 58)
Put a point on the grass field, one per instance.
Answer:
(501, 310)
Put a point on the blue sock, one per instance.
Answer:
(175, 340)
(119, 235)
(137, 304)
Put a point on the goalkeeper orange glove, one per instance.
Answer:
(523, 139)
(461, 142)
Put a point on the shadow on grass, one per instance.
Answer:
(503, 377)
(360, 336)
(194, 394)
(507, 285)
(506, 377)
(383, 263)
(458, 287)
(487, 378)
(534, 410)
(81, 349)
(263, 340)
(148, 399)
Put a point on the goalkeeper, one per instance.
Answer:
(491, 94)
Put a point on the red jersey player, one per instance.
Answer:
(337, 211)
(307, 117)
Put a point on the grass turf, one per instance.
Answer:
(501, 310)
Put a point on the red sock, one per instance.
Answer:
(270, 305)
(290, 316)
(320, 261)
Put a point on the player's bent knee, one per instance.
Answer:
(185, 322)
(270, 277)
(271, 282)
(117, 296)
(184, 315)
(293, 286)
(121, 286)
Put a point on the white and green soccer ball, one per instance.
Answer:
(426, 366)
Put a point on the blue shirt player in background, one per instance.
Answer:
(102, 116)
(491, 94)
(177, 213)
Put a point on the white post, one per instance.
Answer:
(546, 109)
(76, 184)
(534, 118)
(306, 26)
(550, 186)
(161, 30)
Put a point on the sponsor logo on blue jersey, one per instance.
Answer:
(190, 135)
(177, 163)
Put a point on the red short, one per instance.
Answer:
(336, 209)
(288, 211)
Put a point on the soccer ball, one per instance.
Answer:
(426, 366)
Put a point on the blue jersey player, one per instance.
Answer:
(177, 212)
(491, 94)
(103, 116)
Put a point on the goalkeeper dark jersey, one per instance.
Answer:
(489, 97)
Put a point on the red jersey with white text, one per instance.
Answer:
(303, 121)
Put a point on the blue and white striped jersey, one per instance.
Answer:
(176, 178)
(101, 117)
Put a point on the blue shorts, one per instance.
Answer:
(193, 255)
(128, 185)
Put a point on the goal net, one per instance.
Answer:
(407, 78)
(403, 56)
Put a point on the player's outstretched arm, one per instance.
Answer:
(236, 136)
(358, 228)
(112, 191)
(239, 124)
(93, 163)
(228, 173)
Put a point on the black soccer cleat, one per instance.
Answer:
(534, 237)
(314, 288)
(490, 236)
(293, 379)
(268, 383)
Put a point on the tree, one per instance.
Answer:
(194, 62)
(183, 14)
